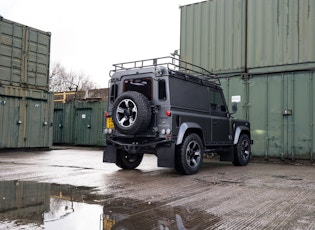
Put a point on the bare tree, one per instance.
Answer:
(63, 81)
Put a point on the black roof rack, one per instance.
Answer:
(173, 64)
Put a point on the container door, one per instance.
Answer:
(9, 122)
(37, 123)
(300, 118)
(83, 126)
(58, 126)
(281, 115)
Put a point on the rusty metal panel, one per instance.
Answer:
(281, 35)
(24, 55)
(213, 35)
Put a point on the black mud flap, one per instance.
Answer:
(110, 154)
(166, 156)
(228, 155)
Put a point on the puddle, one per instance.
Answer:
(133, 215)
(32, 205)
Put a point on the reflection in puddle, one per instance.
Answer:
(66, 214)
(133, 215)
(31, 205)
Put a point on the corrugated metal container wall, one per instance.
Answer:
(282, 114)
(25, 118)
(24, 55)
(213, 35)
(257, 36)
(281, 109)
(281, 35)
(79, 123)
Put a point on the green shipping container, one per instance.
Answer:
(212, 35)
(280, 108)
(281, 35)
(79, 123)
(25, 118)
(24, 55)
(255, 36)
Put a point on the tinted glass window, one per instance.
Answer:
(217, 101)
(141, 85)
(113, 92)
(162, 90)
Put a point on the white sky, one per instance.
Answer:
(90, 36)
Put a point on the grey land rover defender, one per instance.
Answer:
(175, 110)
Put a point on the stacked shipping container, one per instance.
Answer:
(79, 123)
(265, 52)
(25, 102)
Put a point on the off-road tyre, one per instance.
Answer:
(189, 155)
(131, 113)
(126, 160)
(242, 151)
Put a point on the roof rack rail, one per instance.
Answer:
(172, 63)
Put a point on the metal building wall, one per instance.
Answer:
(280, 108)
(79, 123)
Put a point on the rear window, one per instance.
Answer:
(162, 90)
(113, 92)
(141, 85)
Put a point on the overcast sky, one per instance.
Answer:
(90, 36)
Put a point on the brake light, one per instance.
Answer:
(168, 113)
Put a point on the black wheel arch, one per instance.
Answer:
(188, 128)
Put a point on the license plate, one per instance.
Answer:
(109, 123)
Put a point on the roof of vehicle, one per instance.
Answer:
(163, 66)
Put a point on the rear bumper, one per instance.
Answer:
(163, 149)
(137, 143)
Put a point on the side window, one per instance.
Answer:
(217, 101)
(141, 85)
(162, 90)
(113, 92)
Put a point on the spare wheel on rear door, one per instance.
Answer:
(131, 113)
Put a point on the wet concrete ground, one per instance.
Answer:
(70, 188)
